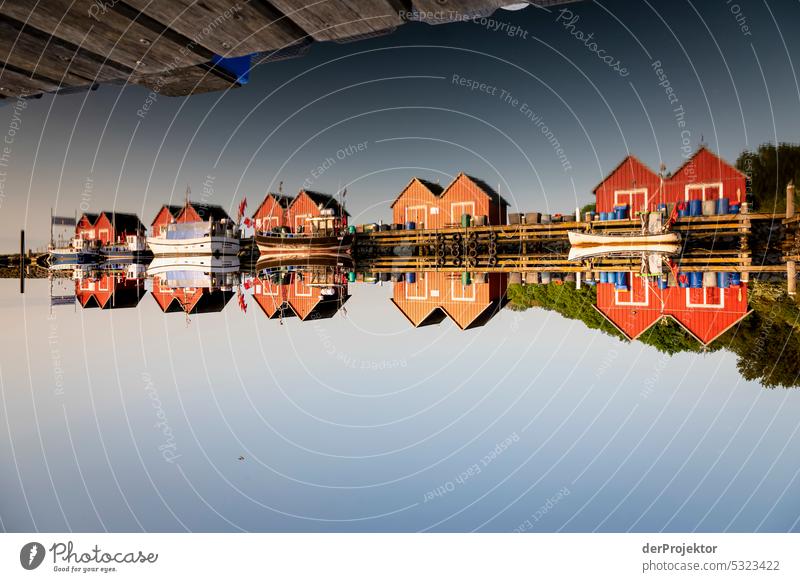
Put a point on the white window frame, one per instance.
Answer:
(418, 207)
(454, 205)
(703, 187)
(630, 194)
(463, 296)
(304, 217)
(297, 293)
(644, 303)
(416, 297)
(720, 305)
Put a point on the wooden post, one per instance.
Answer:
(22, 261)
(791, 267)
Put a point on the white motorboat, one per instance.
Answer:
(78, 252)
(578, 238)
(197, 238)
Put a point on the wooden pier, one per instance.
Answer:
(544, 247)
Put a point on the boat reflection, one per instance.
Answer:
(314, 289)
(201, 284)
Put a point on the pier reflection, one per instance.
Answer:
(682, 308)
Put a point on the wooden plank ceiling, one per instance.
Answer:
(167, 45)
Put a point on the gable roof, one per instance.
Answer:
(282, 199)
(629, 158)
(124, 221)
(171, 208)
(323, 201)
(208, 211)
(90, 217)
(434, 188)
(704, 149)
(493, 195)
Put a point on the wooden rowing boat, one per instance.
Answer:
(577, 253)
(577, 238)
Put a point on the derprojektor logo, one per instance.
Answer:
(31, 555)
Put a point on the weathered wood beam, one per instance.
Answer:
(226, 27)
(144, 44)
(341, 19)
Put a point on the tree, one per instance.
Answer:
(769, 170)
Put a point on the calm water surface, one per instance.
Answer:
(133, 419)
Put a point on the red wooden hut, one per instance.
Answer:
(190, 300)
(109, 291)
(429, 206)
(704, 176)
(434, 296)
(189, 212)
(108, 227)
(705, 313)
(271, 297)
(631, 183)
(271, 213)
(419, 203)
(309, 204)
(470, 195)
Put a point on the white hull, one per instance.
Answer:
(586, 239)
(206, 245)
(162, 265)
(577, 253)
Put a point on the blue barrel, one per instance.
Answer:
(411, 277)
(662, 283)
(723, 206)
(683, 212)
(723, 280)
(604, 216)
(695, 207)
(696, 280)
(411, 225)
(662, 206)
(603, 277)
(734, 209)
(621, 212)
(736, 279)
(622, 281)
